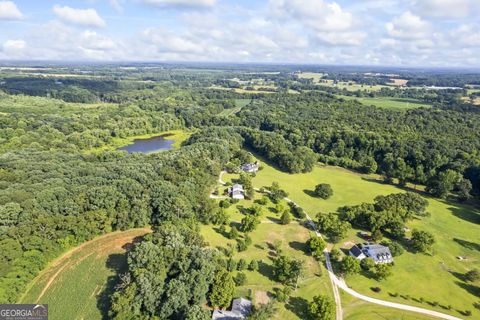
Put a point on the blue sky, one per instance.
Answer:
(368, 32)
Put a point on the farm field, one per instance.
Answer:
(78, 284)
(434, 278)
(293, 237)
(389, 102)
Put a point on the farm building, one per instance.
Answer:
(251, 167)
(236, 191)
(241, 308)
(379, 253)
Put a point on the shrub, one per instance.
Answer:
(323, 190)
(240, 279)
(376, 289)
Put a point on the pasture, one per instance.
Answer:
(78, 284)
(438, 278)
(390, 102)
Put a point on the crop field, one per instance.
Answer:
(315, 76)
(293, 237)
(78, 284)
(436, 279)
(390, 102)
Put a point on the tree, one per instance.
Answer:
(422, 241)
(233, 233)
(242, 264)
(246, 181)
(285, 218)
(350, 265)
(253, 266)
(443, 183)
(367, 264)
(316, 245)
(249, 223)
(323, 190)
(196, 312)
(332, 226)
(263, 312)
(382, 271)
(473, 275)
(287, 270)
(276, 194)
(322, 307)
(222, 290)
(240, 279)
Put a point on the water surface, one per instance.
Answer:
(153, 144)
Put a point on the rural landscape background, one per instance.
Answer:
(207, 159)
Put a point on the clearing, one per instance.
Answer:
(436, 280)
(260, 284)
(78, 285)
(390, 102)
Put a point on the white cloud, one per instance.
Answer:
(316, 14)
(9, 11)
(444, 8)
(83, 17)
(14, 45)
(467, 35)
(408, 27)
(342, 38)
(181, 3)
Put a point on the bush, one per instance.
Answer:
(253, 266)
(323, 190)
(367, 264)
(376, 289)
(242, 265)
(240, 279)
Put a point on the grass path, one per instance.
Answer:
(78, 284)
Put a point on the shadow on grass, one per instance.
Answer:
(275, 220)
(118, 263)
(467, 244)
(300, 246)
(266, 270)
(299, 306)
(465, 214)
(310, 193)
(472, 289)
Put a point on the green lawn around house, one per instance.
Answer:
(293, 238)
(434, 278)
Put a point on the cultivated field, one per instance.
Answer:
(78, 284)
(438, 278)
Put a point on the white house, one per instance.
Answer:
(356, 253)
(251, 167)
(379, 253)
(236, 191)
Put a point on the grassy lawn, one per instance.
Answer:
(78, 285)
(433, 278)
(356, 309)
(239, 104)
(315, 76)
(293, 237)
(390, 102)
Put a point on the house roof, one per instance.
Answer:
(377, 252)
(241, 308)
(355, 251)
(237, 187)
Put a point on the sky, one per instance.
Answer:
(429, 33)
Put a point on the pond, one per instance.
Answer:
(149, 145)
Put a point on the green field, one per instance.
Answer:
(356, 309)
(389, 102)
(78, 285)
(434, 278)
(293, 238)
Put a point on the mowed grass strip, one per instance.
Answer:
(78, 284)
(434, 278)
